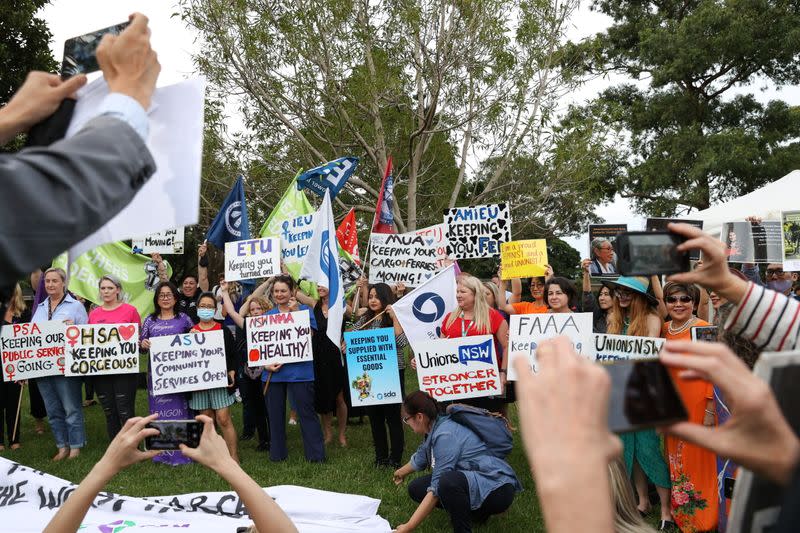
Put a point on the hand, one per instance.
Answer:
(212, 450)
(156, 257)
(202, 249)
(754, 220)
(274, 367)
(709, 419)
(390, 311)
(145, 344)
(129, 65)
(563, 411)
(714, 273)
(37, 98)
(585, 264)
(413, 363)
(231, 378)
(398, 477)
(756, 435)
(223, 287)
(403, 528)
(548, 272)
(124, 449)
(293, 305)
(69, 322)
(362, 282)
(401, 288)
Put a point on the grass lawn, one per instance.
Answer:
(348, 470)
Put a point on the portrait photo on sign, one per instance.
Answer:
(601, 248)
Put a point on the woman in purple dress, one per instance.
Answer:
(166, 320)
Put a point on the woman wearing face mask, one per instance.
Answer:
(164, 321)
(250, 386)
(599, 305)
(379, 302)
(633, 312)
(689, 464)
(561, 295)
(215, 403)
(116, 392)
(62, 394)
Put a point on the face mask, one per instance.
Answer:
(781, 285)
(205, 314)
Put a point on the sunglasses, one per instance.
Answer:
(675, 299)
(771, 272)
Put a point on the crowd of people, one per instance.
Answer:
(587, 479)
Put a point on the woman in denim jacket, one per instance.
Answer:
(465, 480)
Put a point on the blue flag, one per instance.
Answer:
(231, 223)
(331, 176)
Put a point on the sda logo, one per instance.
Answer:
(481, 353)
(382, 395)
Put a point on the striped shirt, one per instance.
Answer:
(769, 319)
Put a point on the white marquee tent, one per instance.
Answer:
(766, 202)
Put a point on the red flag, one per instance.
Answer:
(384, 216)
(347, 235)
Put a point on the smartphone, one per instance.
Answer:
(642, 396)
(80, 52)
(650, 253)
(704, 333)
(173, 433)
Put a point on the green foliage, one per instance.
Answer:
(686, 142)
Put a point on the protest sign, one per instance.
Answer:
(660, 224)
(453, 369)
(601, 248)
(251, 259)
(400, 258)
(421, 311)
(790, 221)
(102, 349)
(477, 231)
(160, 242)
(32, 350)
(609, 348)
(523, 259)
(372, 367)
(748, 242)
(525, 332)
(436, 236)
(175, 141)
(296, 236)
(137, 273)
(279, 338)
(188, 362)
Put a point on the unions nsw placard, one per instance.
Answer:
(452, 369)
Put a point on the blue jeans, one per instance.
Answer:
(62, 399)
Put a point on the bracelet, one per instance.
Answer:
(503, 371)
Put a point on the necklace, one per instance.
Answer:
(683, 328)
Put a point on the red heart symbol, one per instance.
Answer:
(255, 355)
(127, 331)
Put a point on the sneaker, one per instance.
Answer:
(292, 422)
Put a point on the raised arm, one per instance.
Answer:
(516, 291)
(202, 266)
(228, 305)
(658, 292)
(161, 266)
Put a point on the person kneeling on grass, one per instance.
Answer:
(466, 480)
(212, 453)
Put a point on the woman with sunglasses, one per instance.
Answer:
(163, 321)
(467, 481)
(633, 312)
(695, 509)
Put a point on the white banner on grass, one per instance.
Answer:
(251, 259)
(452, 369)
(525, 332)
(280, 338)
(403, 258)
(421, 311)
(32, 350)
(609, 348)
(32, 497)
(102, 349)
(188, 362)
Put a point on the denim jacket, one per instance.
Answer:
(452, 446)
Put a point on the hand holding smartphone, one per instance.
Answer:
(173, 433)
(80, 53)
(650, 253)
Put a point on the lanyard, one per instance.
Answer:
(50, 309)
(464, 327)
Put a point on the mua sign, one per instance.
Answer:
(251, 259)
(453, 369)
(102, 349)
(161, 242)
(525, 332)
(279, 338)
(188, 362)
(32, 350)
(372, 367)
(609, 348)
(477, 231)
(403, 258)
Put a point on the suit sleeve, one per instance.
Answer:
(55, 196)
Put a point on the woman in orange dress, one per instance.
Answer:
(693, 470)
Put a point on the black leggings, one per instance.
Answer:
(117, 395)
(381, 417)
(9, 399)
(454, 498)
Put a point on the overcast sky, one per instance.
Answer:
(175, 45)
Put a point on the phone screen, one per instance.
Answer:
(80, 52)
(650, 253)
(173, 433)
(642, 396)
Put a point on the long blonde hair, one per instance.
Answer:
(637, 311)
(481, 311)
(626, 516)
(16, 304)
